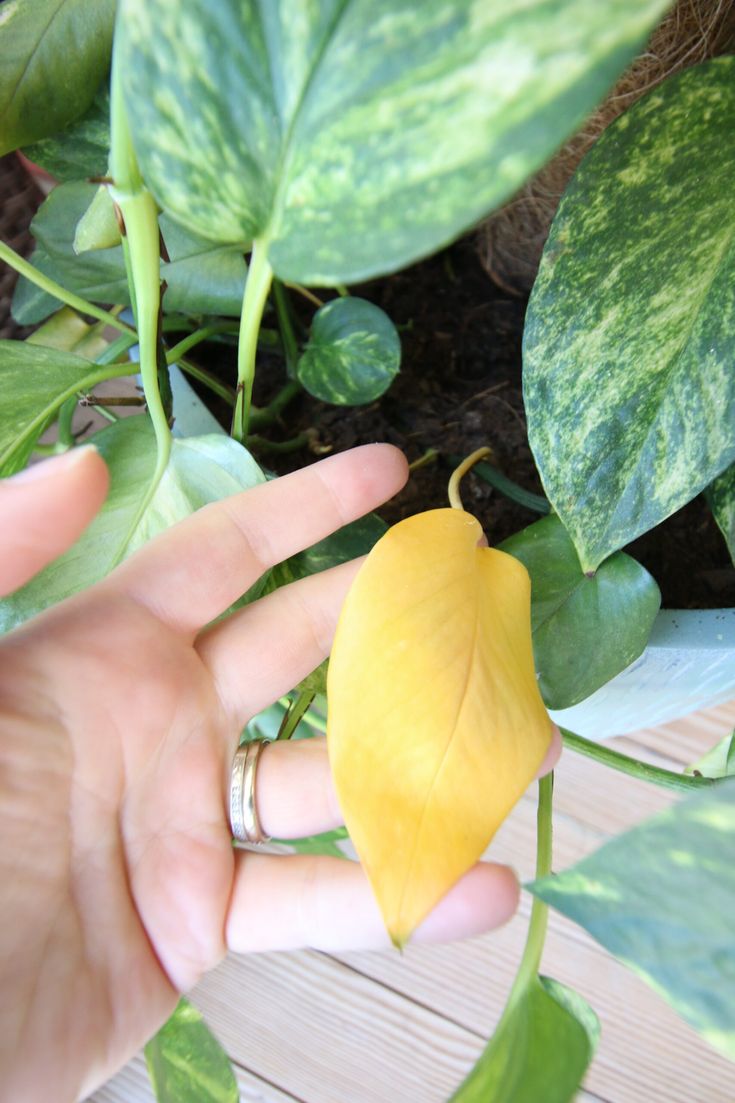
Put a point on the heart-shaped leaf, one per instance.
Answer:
(435, 723)
(721, 497)
(36, 381)
(354, 136)
(200, 470)
(187, 1064)
(82, 149)
(53, 56)
(353, 353)
(585, 629)
(201, 278)
(540, 1051)
(630, 331)
(662, 898)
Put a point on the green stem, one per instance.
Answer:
(66, 416)
(267, 415)
(295, 713)
(195, 338)
(51, 287)
(116, 348)
(666, 779)
(202, 376)
(257, 285)
(276, 447)
(283, 313)
(140, 217)
(536, 936)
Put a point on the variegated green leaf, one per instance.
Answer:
(721, 497)
(80, 150)
(357, 135)
(630, 334)
(187, 1064)
(53, 56)
(352, 355)
(661, 898)
(201, 278)
(585, 629)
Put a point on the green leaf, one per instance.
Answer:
(585, 629)
(347, 543)
(630, 331)
(720, 495)
(201, 470)
(80, 150)
(98, 227)
(36, 381)
(719, 761)
(354, 136)
(662, 898)
(202, 278)
(53, 56)
(187, 1064)
(353, 353)
(540, 1051)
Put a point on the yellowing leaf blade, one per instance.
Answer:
(436, 725)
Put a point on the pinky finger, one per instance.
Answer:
(289, 903)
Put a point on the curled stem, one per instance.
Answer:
(458, 474)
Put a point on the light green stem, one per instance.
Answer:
(140, 217)
(536, 936)
(666, 779)
(257, 286)
(51, 287)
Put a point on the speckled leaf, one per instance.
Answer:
(53, 55)
(82, 149)
(34, 382)
(357, 135)
(662, 898)
(187, 1064)
(540, 1051)
(630, 331)
(201, 278)
(201, 470)
(585, 630)
(721, 497)
(353, 353)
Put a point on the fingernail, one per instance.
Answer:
(47, 469)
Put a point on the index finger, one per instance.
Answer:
(193, 572)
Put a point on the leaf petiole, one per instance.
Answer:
(666, 779)
(458, 474)
(257, 286)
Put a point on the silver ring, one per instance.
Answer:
(243, 811)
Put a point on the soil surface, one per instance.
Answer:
(459, 389)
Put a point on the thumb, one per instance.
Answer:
(44, 509)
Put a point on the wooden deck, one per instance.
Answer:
(380, 1028)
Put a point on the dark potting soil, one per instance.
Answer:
(459, 388)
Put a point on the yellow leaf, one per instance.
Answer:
(436, 725)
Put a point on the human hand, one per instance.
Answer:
(119, 717)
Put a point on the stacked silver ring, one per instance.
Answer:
(243, 810)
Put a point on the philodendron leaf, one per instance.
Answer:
(717, 762)
(53, 55)
(352, 355)
(201, 278)
(432, 673)
(82, 149)
(187, 1064)
(36, 381)
(630, 331)
(200, 470)
(585, 629)
(720, 495)
(662, 898)
(354, 136)
(540, 1051)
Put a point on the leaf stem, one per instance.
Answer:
(257, 285)
(536, 936)
(51, 287)
(666, 779)
(266, 415)
(202, 376)
(457, 475)
(295, 713)
(511, 489)
(285, 325)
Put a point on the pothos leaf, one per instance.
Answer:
(540, 1051)
(82, 149)
(720, 495)
(630, 332)
(352, 355)
(353, 136)
(435, 724)
(200, 470)
(187, 1064)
